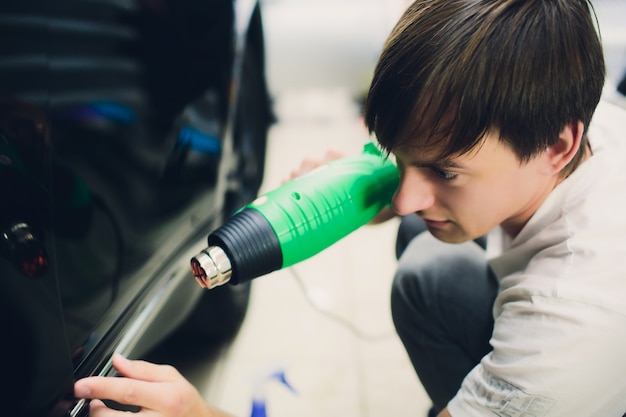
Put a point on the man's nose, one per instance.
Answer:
(415, 192)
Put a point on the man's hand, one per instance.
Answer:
(160, 391)
(444, 413)
(309, 164)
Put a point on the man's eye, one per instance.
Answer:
(445, 175)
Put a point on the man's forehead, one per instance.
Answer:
(433, 155)
(424, 154)
(426, 135)
(434, 133)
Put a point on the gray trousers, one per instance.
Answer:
(441, 302)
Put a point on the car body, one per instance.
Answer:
(128, 131)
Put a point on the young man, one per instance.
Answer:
(486, 106)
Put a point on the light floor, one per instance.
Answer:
(324, 322)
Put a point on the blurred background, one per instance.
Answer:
(325, 323)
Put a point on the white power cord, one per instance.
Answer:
(336, 318)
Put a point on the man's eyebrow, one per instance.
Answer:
(443, 163)
(419, 160)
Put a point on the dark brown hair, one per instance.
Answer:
(452, 70)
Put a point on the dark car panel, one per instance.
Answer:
(128, 130)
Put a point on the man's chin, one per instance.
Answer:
(449, 236)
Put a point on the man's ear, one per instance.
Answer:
(564, 150)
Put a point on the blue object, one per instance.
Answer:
(114, 111)
(99, 112)
(259, 408)
(199, 141)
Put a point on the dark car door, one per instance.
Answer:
(112, 118)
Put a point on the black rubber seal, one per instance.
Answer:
(251, 245)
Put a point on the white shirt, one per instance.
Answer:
(559, 339)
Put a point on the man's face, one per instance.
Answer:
(466, 196)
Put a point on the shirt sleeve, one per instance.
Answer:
(551, 357)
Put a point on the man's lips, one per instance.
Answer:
(436, 223)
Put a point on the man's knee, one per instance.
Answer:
(416, 283)
(431, 273)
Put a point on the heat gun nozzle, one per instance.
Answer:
(243, 248)
(211, 267)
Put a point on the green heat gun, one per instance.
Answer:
(298, 219)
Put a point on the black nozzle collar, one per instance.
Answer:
(250, 243)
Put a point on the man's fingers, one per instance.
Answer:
(122, 390)
(309, 164)
(144, 371)
(333, 154)
(306, 165)
(142, 384)
(98, 409)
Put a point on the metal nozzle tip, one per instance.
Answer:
(211, 267)
(198, 273)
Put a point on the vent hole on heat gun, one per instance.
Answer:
(296, 196)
